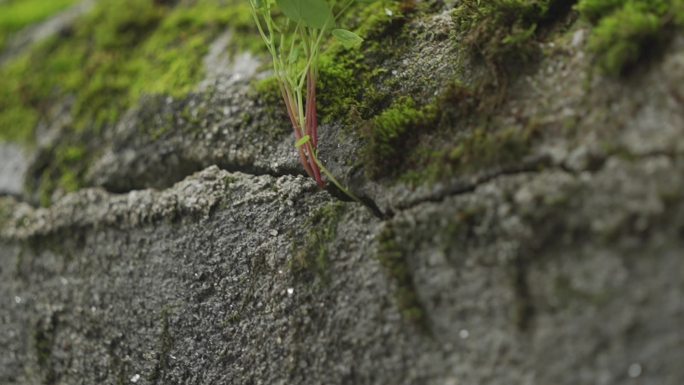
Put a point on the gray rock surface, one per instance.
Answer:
(195, 284)
(14, 163)
(200, 254)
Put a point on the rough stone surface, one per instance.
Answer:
(200, 254)
(13, 165)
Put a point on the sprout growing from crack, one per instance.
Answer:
(294, 42)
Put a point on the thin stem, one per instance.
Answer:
(311, 118)
(344, 8)
(312, 56)
(334, 181)
(301, 111)
(288, 104)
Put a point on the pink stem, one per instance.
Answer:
(312, 123)
(298, 135)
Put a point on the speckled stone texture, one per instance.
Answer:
(200, 254)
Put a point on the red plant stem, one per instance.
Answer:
(306, 153)
(311, 123)
(316, 169)
(302, 157)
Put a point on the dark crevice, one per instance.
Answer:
(187, 169)
(454, 188)
(460, 187)
(532, 165)
(17, 197)
(365, 200)
(183, 167)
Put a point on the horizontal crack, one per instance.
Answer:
(532, 165)
(464, 187)
(191, 168)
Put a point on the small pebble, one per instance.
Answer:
(634, 370)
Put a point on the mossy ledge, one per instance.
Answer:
(628, 32)
(101, 67)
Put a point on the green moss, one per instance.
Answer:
(477, 151)
(483, 149)
(620, 38)
(503, 31)
(339, 83)
(678, 12)
(594, 10)
(391, 132)
(66, 172)
(18, 14)
(392, 256)
(268, 90)
(629, 31)
(104, 64)
(349, 80)
(311, 255)
(346, 76)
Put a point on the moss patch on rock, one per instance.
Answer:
(18, 14)
(104, 64)
(430, 139)
(391, 133)
(629, 31)
(311, 255)
(392, 256)
(111, 57)
(503, 32)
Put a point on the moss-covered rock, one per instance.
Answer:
(518, 201)
(18, 14)
(105, 63)
(628, 32)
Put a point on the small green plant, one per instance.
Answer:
(293, 31)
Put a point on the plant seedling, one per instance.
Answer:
(293, 31)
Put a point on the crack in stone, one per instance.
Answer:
(464, 187)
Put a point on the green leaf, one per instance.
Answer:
(348, 38)
(293, 56)
(311, 13)
(304, 140)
